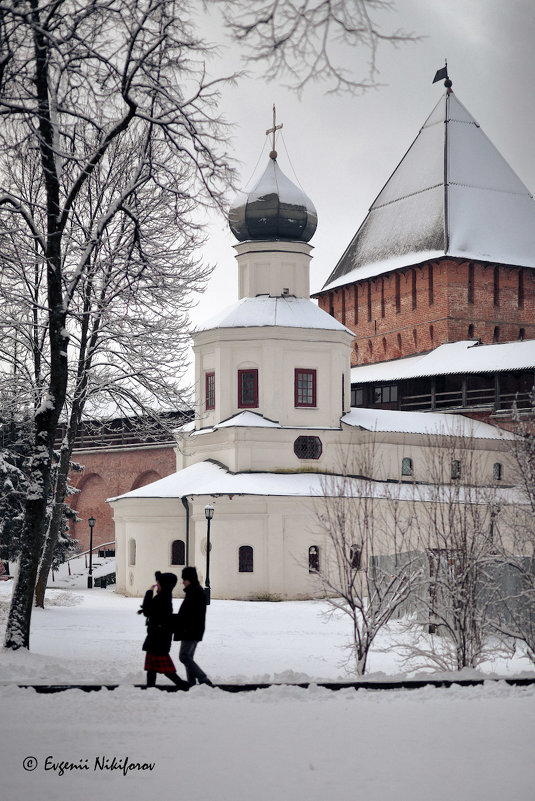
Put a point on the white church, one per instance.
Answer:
(273, 423)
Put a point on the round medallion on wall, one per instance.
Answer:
(308, 447)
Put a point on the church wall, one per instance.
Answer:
(430, 304)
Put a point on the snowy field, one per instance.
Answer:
(283, 743)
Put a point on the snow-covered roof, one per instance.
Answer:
(452, 194)
(461, 357)
(264, 310)
(429, 423)
(208, 478)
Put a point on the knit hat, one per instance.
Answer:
(166, 580)
(190, 574)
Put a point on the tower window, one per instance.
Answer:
(496, 286)
(496, 334)
(406, 466)
(355, 557)
(470, 283)
(313, 559)
(471, 331)
(247, 389)
(397, 280)
(331, 304)
(369, 301)
(413, 282)
(178, 552)
(308, 447)
(430, 284)
(521, 289)
(522, 334)
(497, 471)
(245, 559)
(382, 297)
(210, 391)
(305, 387)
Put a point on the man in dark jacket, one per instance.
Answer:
(190, 629)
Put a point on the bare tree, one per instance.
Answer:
(76, 78)
(313, 40)
(369, 569)
(516, 616)
(129, 326)
(457, 530)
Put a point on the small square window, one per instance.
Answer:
(210, 391)
(247, 389)
(305, 387)
(497, 471)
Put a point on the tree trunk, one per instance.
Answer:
(54, 526)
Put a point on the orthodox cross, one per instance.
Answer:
(273, 130)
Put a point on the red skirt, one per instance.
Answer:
(161, 664)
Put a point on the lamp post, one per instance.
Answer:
(91, 522)
(208, 513)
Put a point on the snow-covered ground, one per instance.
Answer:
(281, 743)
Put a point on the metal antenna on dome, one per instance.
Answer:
(273, 130)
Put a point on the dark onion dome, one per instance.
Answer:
(274, 209)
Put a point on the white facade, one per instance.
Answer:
(272, 421)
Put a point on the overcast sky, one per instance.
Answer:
(344, 148)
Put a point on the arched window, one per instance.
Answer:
(497, 471)
(522, 334)
(399, 342)
(131, 552)
(406, 466)
(471, 331)
(415, 337)
(384, 344)
(313, 559)
(431, 333)
(355, 556)
(178, 552)
(245, 559)
(496, 335)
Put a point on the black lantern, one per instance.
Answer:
(91, 522)
(208, 513)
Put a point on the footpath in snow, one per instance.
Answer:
(283, 743)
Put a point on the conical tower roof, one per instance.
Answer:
(452, 194)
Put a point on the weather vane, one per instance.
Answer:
(273, 130)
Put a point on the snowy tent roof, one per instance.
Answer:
(264, 310)
(461, 357)
(429, 423)
(452, 194)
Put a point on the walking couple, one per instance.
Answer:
(187, 626)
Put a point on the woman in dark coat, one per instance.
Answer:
(158, 609)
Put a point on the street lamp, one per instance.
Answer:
(208, 513)
(91, 522)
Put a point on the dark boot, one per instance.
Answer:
(151, 678)
(180, 683)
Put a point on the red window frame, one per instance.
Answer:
(243, 401)
(298, 388)
(209, 389)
